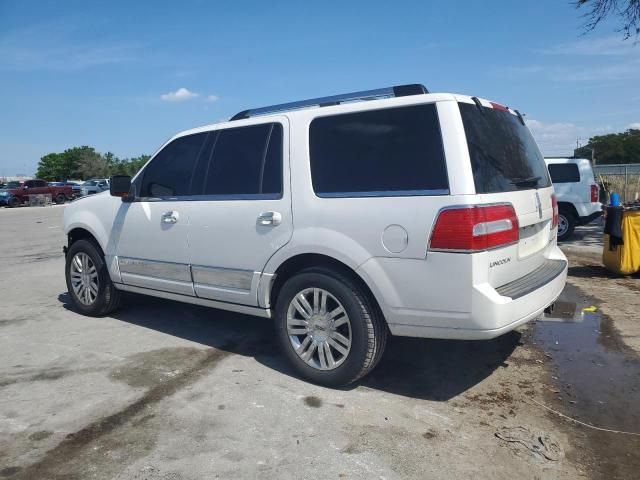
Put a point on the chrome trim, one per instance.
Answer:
(179, 272)
(222, 277)
(212, 198)
(183, 288)
(258, 312)
(390, 193)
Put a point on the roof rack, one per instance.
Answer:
(388, 92)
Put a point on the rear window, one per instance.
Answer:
(564, 172)
(504, 155)
(396, 151)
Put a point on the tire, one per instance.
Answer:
(365, 327)
(106, 297)
(60, 198)
(566, 224)
(14, 202)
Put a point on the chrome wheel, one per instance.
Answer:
(84, 278)
(319, 329)
(563, 225)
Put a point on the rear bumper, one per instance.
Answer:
(589, 218)
(451, 310)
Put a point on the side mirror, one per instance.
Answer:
(120, 185)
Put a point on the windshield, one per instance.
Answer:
(504, 155)
(90, 183)
(13, 185)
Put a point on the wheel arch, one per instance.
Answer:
(82, 233)
(569, 207)
(301, 261)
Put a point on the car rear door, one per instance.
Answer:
(242, 215)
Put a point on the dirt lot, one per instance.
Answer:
(169, 391)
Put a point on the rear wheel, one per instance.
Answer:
(566, 223)
(328, 327)
(88, 281)
(60, 198)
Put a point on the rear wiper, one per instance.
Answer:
(518, 182)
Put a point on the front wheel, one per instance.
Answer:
(328, 327)
(14, 202)
(60, 198)
(88, 281)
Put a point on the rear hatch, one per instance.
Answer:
(509, 168)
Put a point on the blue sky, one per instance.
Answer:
(122, 76)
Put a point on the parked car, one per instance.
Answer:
(343, 220)
(14, 197)
(75, 187)
(94, 185)
(577, 193)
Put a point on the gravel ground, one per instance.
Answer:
(162, 390)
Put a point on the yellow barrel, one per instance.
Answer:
(625, 259)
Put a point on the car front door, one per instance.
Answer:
(150, 233)
(243, 213)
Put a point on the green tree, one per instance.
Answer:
(625, 12)
(84, 162)
(621, 147)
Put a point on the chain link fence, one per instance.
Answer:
(623, 179)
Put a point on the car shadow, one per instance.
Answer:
(426, 369)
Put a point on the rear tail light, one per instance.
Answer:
(554, 205)
(474, 228)
(595, 191)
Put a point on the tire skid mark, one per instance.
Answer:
(59, 462)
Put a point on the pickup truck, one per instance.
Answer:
(577, 192)
(14, 197)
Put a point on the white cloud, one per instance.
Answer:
(180, 95)
(212, 98)
(635, 125)
(606, 46)
(560, 138)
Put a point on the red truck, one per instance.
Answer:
(14, 197)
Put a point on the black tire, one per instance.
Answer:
(14, 202)
(567, 216)
(368, 327)
(60, 198)
(108, 297)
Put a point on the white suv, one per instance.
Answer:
(343, 220)
(576, 191)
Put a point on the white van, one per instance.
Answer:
(343, 219)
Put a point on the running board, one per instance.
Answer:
(232, 307)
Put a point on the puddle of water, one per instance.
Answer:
(597, 374)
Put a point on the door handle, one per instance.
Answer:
(269, 218)
(170, 217)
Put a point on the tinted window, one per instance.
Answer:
(504, 155)
(29, 183)
(381, 151)
(246, 161)
(564, 172)
(169, 173)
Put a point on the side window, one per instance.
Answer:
(169, 173)
(379, 152)
(246, 161)
(40, 183)
(564, 172)
(29, 183)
